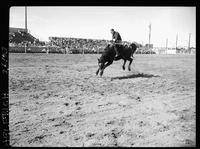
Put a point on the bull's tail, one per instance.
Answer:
(134, 48)
(132, 56)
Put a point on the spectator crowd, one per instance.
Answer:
(80, 44)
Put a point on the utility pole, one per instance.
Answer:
(25, 27)
(166, 43)
(149, 36)
(189, 43)
(176, 41)
(26, 19)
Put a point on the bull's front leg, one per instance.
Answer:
(124, 65)
(107, 64)
(97, 71)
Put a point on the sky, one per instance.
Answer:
(95, 23)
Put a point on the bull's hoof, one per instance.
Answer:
(123, 67)
(101, 73)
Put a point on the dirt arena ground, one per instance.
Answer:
(57, 100)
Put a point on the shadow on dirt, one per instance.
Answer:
(142, 75)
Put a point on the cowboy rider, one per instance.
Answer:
(116, 39)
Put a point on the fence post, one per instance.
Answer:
(47, 51)
(25, 47)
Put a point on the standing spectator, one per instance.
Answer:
(66, 49)
(47, 49)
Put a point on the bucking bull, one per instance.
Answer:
(108, 56)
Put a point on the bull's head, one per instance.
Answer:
(100, 63)
(133, 46)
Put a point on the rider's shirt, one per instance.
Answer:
(116, 37)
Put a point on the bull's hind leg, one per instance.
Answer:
(124, 65)
(129, 66)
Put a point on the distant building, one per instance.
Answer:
(171, 51)
(149, 45)
(193, 50)
(159, 50)
(185, 50)
(163, 50)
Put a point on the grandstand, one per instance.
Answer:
(21, 41)
(19, 35)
